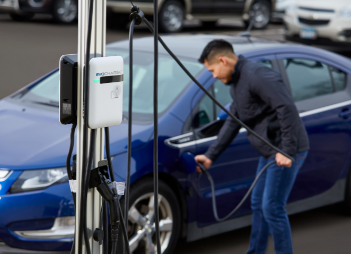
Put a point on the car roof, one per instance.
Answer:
(191, 46)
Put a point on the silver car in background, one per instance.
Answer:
(322, 22)
(172, 13)
(62, 11)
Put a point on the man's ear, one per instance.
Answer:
(223, 60)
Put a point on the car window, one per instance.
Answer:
(339, 78)
(267, 63)
(310, 78)
(204, 113)
(222, 94)
(48, 88)
(172, 81)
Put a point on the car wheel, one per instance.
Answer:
(21, 17)
(260, 11)
(141, 231)
(171, 17)
(347, 202)
(65, 11)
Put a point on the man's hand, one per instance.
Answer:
(204, 161)
(282, 160)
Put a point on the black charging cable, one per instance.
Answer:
(214, 204)
(110, 167)
(69, 155)
(130, 121)
(105, 227)
(69, 172)
(137, 17)
(156, 204)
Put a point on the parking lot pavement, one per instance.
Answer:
(6, 250)
(30, 50)
(321, 231)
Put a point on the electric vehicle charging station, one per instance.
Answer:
(97, 48)
(106, 92)
(99, 96)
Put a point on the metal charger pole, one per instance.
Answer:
(98, 42)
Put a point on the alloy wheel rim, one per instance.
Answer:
(260, 13)
(173, 17)
(67, 10)
(141, 226)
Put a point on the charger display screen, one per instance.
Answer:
(111, 79)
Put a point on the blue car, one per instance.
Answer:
(36, 208)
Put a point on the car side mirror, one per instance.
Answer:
(223, 115)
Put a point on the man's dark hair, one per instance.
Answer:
(215, 47)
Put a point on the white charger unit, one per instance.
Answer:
(105, 92)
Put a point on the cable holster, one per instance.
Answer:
(99, 179)
(137, 15)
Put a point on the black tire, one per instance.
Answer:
(142, 189)
(117, 20)
(64, 13)
(263, 10)
(346, 205)
(210, 24)
(171, 17)
(21, 17)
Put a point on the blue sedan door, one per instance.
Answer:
(320, 89)
(235, 169)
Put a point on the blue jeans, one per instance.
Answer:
(268, 202)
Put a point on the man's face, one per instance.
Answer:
(220, 68)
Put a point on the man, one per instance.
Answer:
(263, 102)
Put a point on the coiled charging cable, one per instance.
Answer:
(214, 203)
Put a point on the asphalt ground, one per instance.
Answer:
(31, 49)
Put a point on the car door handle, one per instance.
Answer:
(345, 113)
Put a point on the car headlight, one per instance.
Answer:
(39, 179)
(4, 174)
(345, 12)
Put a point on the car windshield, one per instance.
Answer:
(171, 79)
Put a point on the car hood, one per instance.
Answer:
(331, 5)
(33, 138)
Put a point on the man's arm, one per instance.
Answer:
(269, 86)
(225, 136)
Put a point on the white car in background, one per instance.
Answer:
(323, 22)
(280, 8)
